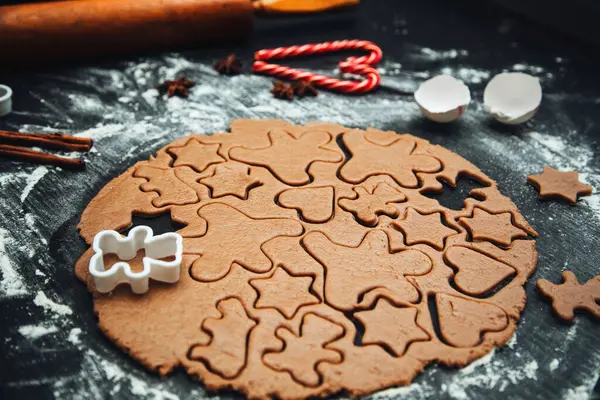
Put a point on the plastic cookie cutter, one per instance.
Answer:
(126, 248)
(5, 100)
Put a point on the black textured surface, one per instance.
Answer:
(52, 366)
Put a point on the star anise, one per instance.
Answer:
(177, 86)
(229, 66)
(282, 91)
(304, 88)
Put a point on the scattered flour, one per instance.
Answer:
(468, 75)
(36, 331)
(12, 283)
(43, 301)
(434, 55)
(32, 180)
(74, 336)
(80, 387)
(582, 392)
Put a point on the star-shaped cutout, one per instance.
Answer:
(284, 292)
(368, 206)
(394, 327)
(231, 179)
(232, 236)
(424, 228)
(196, 155)
(565, 185)
(496, 228)
(288, 158)
(177, 86)
(395, 160)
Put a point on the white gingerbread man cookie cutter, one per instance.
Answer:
(126, 248)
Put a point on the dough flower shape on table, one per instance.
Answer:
(139, 238)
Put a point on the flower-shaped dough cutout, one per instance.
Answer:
(566, 185)
(126, 248)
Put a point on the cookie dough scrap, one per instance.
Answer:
(294, 237)
(570, 295)
(558, 184)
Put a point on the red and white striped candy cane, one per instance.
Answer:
(354, 65)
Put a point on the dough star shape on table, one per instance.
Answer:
(234, 179)
(395, 327)
(282, 262)
(424, 228)
(566, 185)
(196, 155)
(284, 292)
(496, 228)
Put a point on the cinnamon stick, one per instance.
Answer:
(52, 141)
(22, 154)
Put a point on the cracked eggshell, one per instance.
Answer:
(512, 97)
(443, 98)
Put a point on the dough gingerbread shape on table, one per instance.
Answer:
(570, 295)
(278, 270)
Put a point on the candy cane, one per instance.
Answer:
(354, 65)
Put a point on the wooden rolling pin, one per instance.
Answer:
(73, 29)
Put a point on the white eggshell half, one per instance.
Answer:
(443, 98)
(512, 97)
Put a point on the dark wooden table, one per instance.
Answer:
(49, 344)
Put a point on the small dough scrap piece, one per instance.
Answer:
(367, 206)
(463, 322)
(477, 272)
(232, 237)
(226, 352)
(353, 271)
(284, 292)
(288, 157)
(496, 228)
(570, 295)
(315, 204)
(394, 327)
(196, 155)
(301, 355)
(231, 179)
(565, 185)
(424, 228)
(395, 160)
(171, 190)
